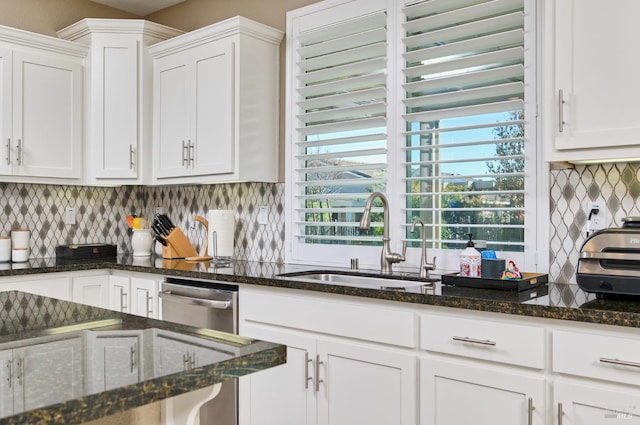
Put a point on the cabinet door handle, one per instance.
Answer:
(474, 341)
(132, 152)
(619, 362)
(133, 357)
(123, 300)
(530, 409)
(318, 380)
(20, 376)
(19, 147)
(561, 103)
(307, 378)
(10, 373)
(192, 363)
(149, 305)
(9, 151)
(185, 161)
(560, 413)
(192, 153)
(186, 359)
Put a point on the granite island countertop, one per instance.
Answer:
(562, 301)
(54, 369)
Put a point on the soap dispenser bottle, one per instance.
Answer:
(470, 260)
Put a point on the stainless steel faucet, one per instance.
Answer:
(387, 258)
(424, 266)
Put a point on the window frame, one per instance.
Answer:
(535, 234)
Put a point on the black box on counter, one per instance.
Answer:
(91, 251)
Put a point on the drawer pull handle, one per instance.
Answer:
(619, 362)
(474, 341)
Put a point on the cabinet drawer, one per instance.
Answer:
(317, 313)
(480, 339)
(610, 358)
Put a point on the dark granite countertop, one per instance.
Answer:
(555, 300)
(52, 349)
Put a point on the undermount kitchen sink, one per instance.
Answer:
(358, 280)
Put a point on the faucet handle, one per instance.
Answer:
(404, 250)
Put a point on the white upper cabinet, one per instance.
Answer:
(216, 104)
(591, 80)
(40, 108)
(118, 90)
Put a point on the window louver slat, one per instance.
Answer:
(464, 100)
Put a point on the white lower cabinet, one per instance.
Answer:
(91, 290)
(454, 393)
(134, 295)
(26, 370)
(42, 284)
(330, 378)
(113, 359)
(588, 404)
(330, 382)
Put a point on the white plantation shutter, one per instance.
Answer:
(464, 115)
(340, 138)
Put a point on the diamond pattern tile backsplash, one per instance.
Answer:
(570, 191)
(101, 214)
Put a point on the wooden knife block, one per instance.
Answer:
(178, 246)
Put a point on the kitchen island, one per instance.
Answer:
(63, 362)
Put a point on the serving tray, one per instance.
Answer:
(528, 281)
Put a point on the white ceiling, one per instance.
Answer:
(139, 7)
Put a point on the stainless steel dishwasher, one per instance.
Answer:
(212, 305)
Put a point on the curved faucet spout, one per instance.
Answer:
(424, 266)
(387, 258)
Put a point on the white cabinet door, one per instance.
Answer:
(56, 365)
(211, 103)
(47, 116)
(6, 382)
(59, 287)
(5, 110)
(195, 90)
(361, 384)
(294, 401)
(454, 393)
(144, 297)
(113, 360)
(171, 116)
(91, 290)
(119, 294)
(596, 74)
(591, 405)
(115, 108)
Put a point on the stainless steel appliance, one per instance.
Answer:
(211, 305)
(609, 261)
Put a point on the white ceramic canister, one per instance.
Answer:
(19, 255)
(141, 242)
(20, 238)
(5, 249)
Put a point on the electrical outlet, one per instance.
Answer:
(70, 216)
(262, 215)
(159, 210)
(598, 221)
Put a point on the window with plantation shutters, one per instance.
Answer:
(465, 147)
(433, 103)
(340, 143)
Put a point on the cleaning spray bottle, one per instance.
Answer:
(470, 260)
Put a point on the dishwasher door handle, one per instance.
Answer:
(221, 305)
